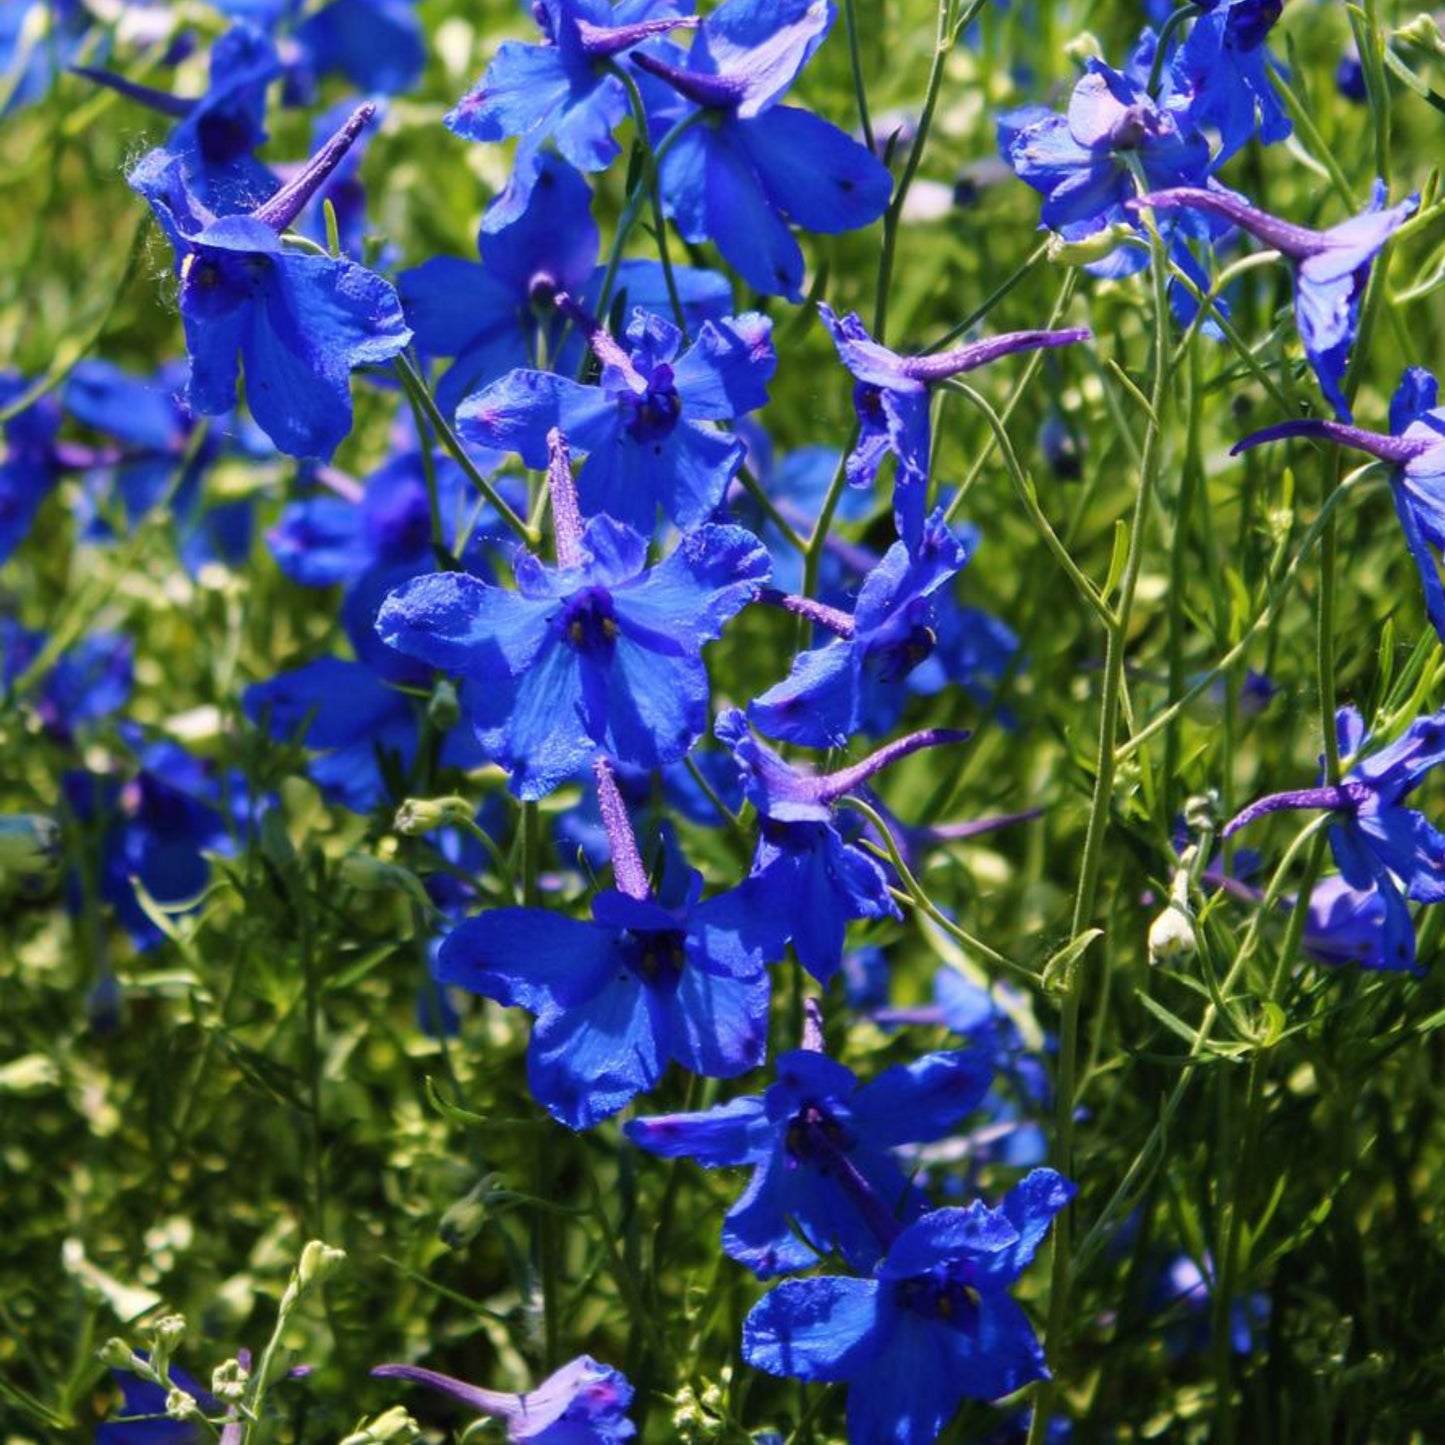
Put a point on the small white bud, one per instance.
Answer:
(181, 1406)
(1171, 935)
(229, 1381)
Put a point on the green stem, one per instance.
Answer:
(420, 396)
(1086, 894)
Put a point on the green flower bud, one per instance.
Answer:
(444, 711)
(318, 1262)
(395, 1427)
(422, 815)
(115, 1354)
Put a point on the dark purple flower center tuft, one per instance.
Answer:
(589, 620)
(815, 1136)
(656, 956)
(655, 413)
(938, 1297)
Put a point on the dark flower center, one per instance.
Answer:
(656, 956)
(589, 621)
(893, 656)
(814, 1136)
(937, 1297)
(654, 414)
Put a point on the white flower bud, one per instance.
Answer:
(181, 1406)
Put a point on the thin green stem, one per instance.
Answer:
(1086, 893)
(420, 395)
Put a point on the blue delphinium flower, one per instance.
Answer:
(1079, 163)
(497, 316)
(1416, 450)
(562, 90)
(934, 1326)
(159, 461)
(218, 133)
(892, 401)
(646, 427)
(806, 872)
(1378, 844)
(378, 45)
(31, 463)
(1220, 75)
(602, 653)
(819, 1145)
(154, 828)
(1331, 267)
(583, 1403)
(298, 321)
(649, 980)
(486, 316)
(859, 681)
(753, 165)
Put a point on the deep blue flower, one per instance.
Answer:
(752, 165)
(502, 316)
(87, 682)
(892, 402)
(298, 321)
(649, 980)
(219, 132)
(807, 874)
(1220, 75)
(378, 45)
(859, 681)
(646, 427)
(583, 1403)
(561, 90)
(1331, 267)
(819, 1146)
(1079, 163)
(31, 464)
(1416, 450)
(1379, 845)
(365, 729)
(154, 828)
(935, 1325)
(604, 654)
(159, 461)
(1345, 925)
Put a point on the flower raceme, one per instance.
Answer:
(1378, 844)
(298, 322)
